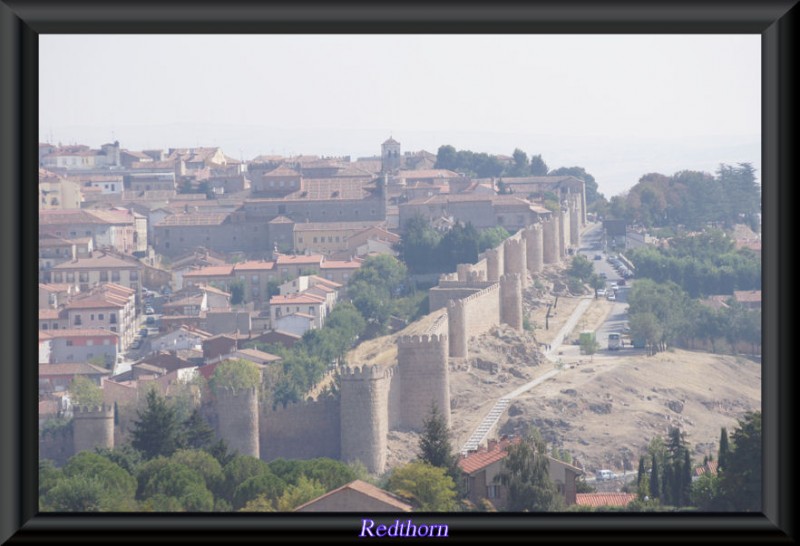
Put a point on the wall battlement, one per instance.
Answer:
(422, 340)
(92, 427)
(365, 372)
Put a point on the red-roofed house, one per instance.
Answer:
(482, 466)
(749, 298)
(597, 500)
(304, 304)
(108, 307)
(356, 496)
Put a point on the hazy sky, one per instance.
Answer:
(619, 106)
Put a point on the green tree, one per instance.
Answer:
(655, 490)
(581, 268)
(724, 450)
(740, 487)
(521, 165)
(235, 374)
(157, 430)
(203, 463)
(590, 184)
(492, 237)
(91, 483)
(237, 292)
(85, 392)
(185, 484)
(197, 433)
(705, 492)
(295, 495)
(538, 167)
(525, 473)
(435, 447)
(429, 488)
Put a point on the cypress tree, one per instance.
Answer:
(687, 479)
(655, 492)
(724, 450)
(669, 485)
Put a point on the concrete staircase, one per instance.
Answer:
(486, 425)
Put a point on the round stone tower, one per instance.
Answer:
(550, 253)
(93, 426)
(365, 415)
(422, 370)
(535, 248)
(457, 328)
(237, 412)
(515, 259)
(511, 300)
(494, 264)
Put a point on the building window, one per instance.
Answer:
(57, 277)
(330, 239)
(112, 318)
(492, 491)
(70, 277)
(91, 317)
(55, 326)
(78, 321)
(337, 239)
(69, 343)
(113, 328)
(310, 309)
(315, 240)
(83, 276)
(500, 220)
(101, 316)
(44, 326)
(134, 275)
(104, 276)
(115, 276)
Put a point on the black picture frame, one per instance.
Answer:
(22, 21)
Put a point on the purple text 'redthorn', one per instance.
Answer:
(397, 529)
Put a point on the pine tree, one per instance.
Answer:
(157, 430)
(724, 450)
(686, 480)
(434, 444)
(669, 485)
(640, 475)
(197, 434)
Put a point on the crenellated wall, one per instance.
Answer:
(305, 430)
(516, 261)
(447, 291)
(423, 378)
(92, 426)
(237, 419)
(364, 415)
(535, 247)
(472, 316)
(511, 300)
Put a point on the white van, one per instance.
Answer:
(604, 475)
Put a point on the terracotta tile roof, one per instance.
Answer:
(98, 261)
(48, 314)
(211, 271)
(254, 265)
(297, 299)
(604, 499)
(365, 489)
(72, 368)
(335, 264)
(281, 171)
(260, 355)
(428, 173)
(78, 332)
(286, 259)
(710, 466)
(194, 219)
(747, 296)
(477, 460)
(326, 226)
(322, 280)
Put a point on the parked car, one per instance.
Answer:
(601, 292)
(151, 320)
(143, 332)
(136, 344)
(149, 310)
(605, 475)
(598, 256)
(614, 286)
(611, 297)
